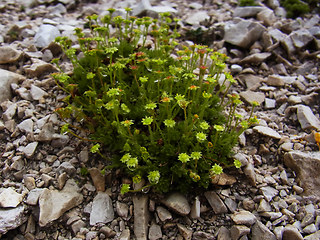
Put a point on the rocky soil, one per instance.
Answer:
(275, 195)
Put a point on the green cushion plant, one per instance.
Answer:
(156, 110)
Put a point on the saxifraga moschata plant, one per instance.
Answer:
(161, 111)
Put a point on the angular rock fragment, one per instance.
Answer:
(11, 218)
(250, 96)
(6, 79)
(9, 55)
(141, 216)
(10, 198)
(306, 118)
(244, 218)
(261, 232)
(102, 209)
(215, 202)
(267, 132)
(178, 203)
(307, 167)
(45, 35)
(54, 203)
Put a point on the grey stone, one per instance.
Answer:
(291, 233)
(255, 58)
(102, 209)
(307, 220)
(26, 126)
(306, 118)
(269, 192)
(185, 232)
(45, 35)
(54, 203)
(215, 202)
(39, 68)
(250, 173)
(37, 93)
(155, 232)
(98, 179)
(250, 96)
(275, 80)
(267, 17)
(163, 214)
(125, 235)
(248, 11)
(122, 209)
(224, 233)
(9, 55)
(178, 203)
(310, 229)
(267, 132)
(252, 81)
(238, 231)
(313, 236)
(231, 205)
(11, 218)
(301, 38)
(288, 45)
(242, 33)
(235, 68)
(6, 79)
(197, 17)
(29, 149)
(195, 209)
(244, 217)
(66, 167)
(10, 198)
(108, 232)
(47, 133)
(270, 103)
(277, 35)
(261, 232)
(307, 167)
(141, 217)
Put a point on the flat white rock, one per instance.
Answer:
(267, 132)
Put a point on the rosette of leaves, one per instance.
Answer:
(155, 107)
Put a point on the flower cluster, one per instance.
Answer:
(157, 109)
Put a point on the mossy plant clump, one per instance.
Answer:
(158, 110)
(246, 3)
(295, 8)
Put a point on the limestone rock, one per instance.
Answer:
(6, 79)
(197, 17)
(248, 11)
(255, 58)
(223, 179)
(306, 118)
(9, 55)
(26, 126)
(155, 232)
(29, 149)
(267, 17)
(267, 132)
(185, 232)
(238, 231)
(141, 217)
(242, 33)
(98, 179)
(301, 38)
(11, 218)
(37, 93)
(215, 202)
(244, 218)
(178, 203)
(261, 232)
(307, 168)
(45, 35)
(102, 209)
(54, 203)
(10, 198)
(163, 214)
(39, 68)
(291, 233)
(250, 96)
(269, 192)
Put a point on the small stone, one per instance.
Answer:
(267, 17)
(197, 17)
(163, 214)
(39, 68)
(223, 179)
(98, 179)
(250, 96)
(252, 81)
(45, 35)
(10, 198)
(33, 196)
(291, 233)
(238, 231)
(37, 93)
(122, 209)
(30, 183)
(247, 11)
(275, 80)
(215, 202)
(6, 79)
(270, 103)
(255, 58)
(155, 232)
(267, 132)
(185, 232)
(310, 229)
(125, 235)
(102, 209)
(244, 218)
(195, 209)
(26, 126)
(224, 233)
(269, 192)
(307, 220)
(29, 149)
(141, 216)
(9, 55)
(261, 232)
(306, 118)
(178, 203)
(264, 206)
(301, 38)
(77, 226)
(11, 218)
